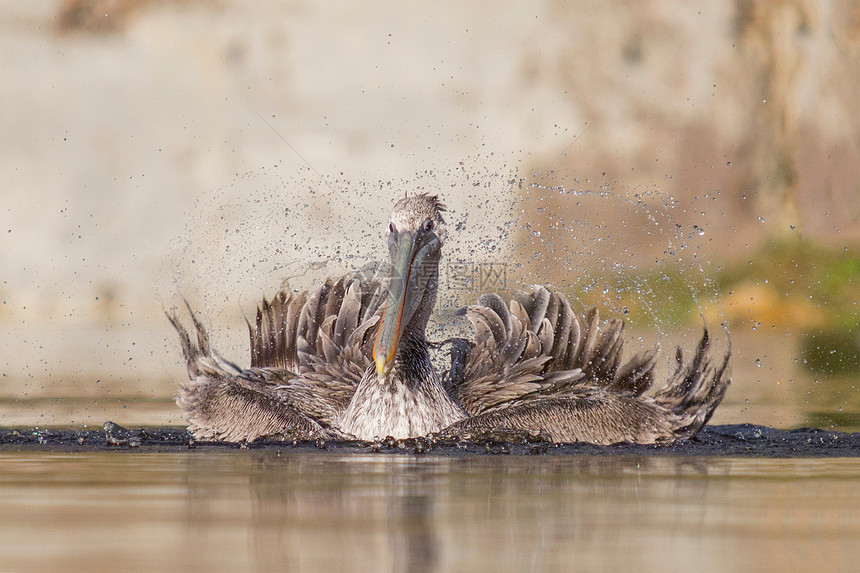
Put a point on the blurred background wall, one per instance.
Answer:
(135, 134)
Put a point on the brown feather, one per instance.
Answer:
(308, 352)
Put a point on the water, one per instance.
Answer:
(285, 510)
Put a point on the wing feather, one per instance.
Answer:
(537, 366)
(308, 353)
(536, 348)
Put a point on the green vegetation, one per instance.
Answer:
(812, 289)
(796, 283)
(824, 279)
(663, 295)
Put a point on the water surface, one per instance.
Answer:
(277, 509)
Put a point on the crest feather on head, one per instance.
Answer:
(411, 212)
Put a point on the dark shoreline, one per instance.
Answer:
(739, 440)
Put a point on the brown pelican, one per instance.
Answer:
(351, 360)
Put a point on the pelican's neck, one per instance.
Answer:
(418, 324)
(412, 363)
(410, 401)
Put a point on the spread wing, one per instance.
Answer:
(323, 337)
(536, 366)
(308, 353)
(537, 347)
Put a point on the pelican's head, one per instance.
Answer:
(414, 242)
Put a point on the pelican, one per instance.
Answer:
(351, 360)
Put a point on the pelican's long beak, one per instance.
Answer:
(405, 291)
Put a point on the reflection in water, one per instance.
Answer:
(356, 513)
(217, 510)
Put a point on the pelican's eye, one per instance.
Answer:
(391, 227)
(428, 225)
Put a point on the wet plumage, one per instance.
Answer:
(351, 360)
